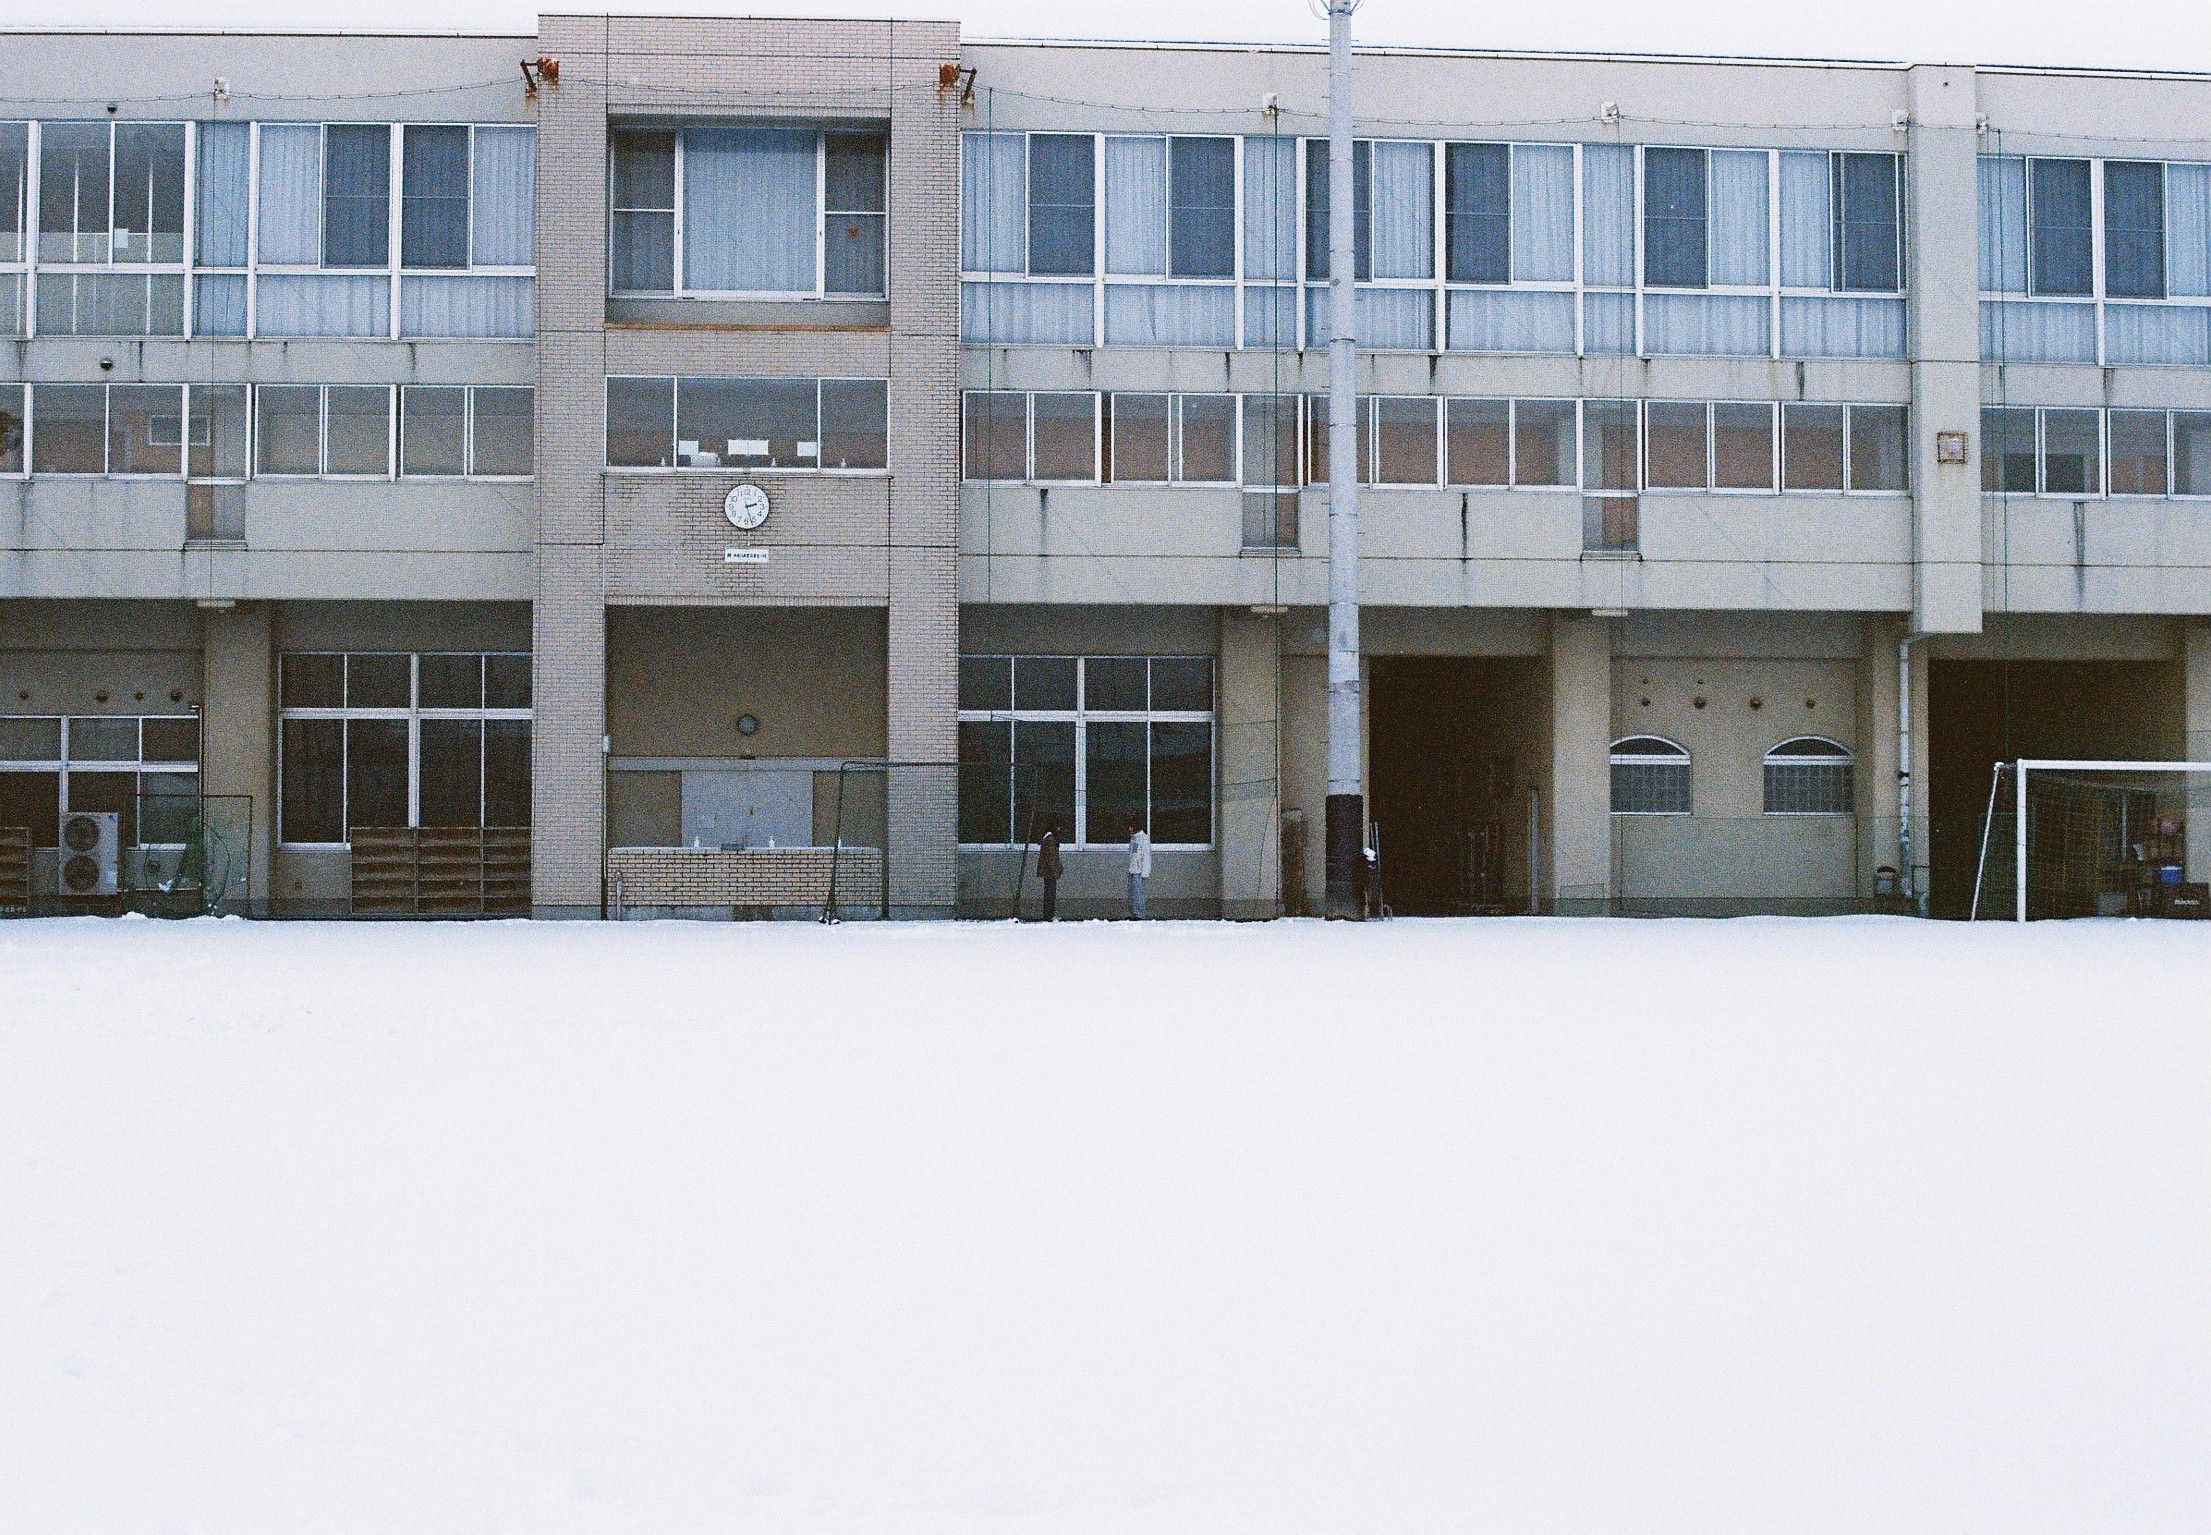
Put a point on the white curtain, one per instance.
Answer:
(1170, 314)
(1842, 327)
(1608, 215)
(1403, 206)
(1608, 324)
(1488, 320)
(748, 210)
(291, 194)
(1807, 223)
(2003, 199)
(1270, 207)
(1705, 325)
(219, 304)
(2024, 332)
(1270, 316)
(225, 151)
(994, 202)
(467, 306)
(326, 304)
(2157, 333)
(503, 204)
(1543, 214)
(1052, 313)
(1136, 208)
(1739, 230)
(1388, 319)
(2188, 230)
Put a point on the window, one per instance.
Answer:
(1742, 446)
(1085, 746)
(356, 196)
(746, 423)
(1674, 254)
(1868, 250)
(1809, 775)
(1675, 445)
(1062, 203)
(485, 431)
(433, 209)
(2062, 236)
(855, 210)
(1139, 438)
(1650, 776)
(2078, 452)
(1812, 447)
(1477, 437)
(1205, 439)
(2134, 228)
(642, 166)
(397, 739)
(2072, 454)
(12, 421)
(2008, 452)
(340, 430)
(111, 229)
(2138, 453)
(144, 768)
(1477, 213)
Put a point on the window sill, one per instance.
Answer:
(796, 313)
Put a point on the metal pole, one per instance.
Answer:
(2019, 836)
(1346, 795)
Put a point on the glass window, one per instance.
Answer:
(1878, 447)
(640, 423)
(311, 681)
(506, 772)
(312, 807)
(1609, 456)
(1066, 436)
(451, 681)
(2062, 233)
(1477, 442)
(1044, 682)
(2071, 453)
(1201, 181)
(766, 423)
(1543, 442)
(643, 230)
(1405, 440)
(1809, 776)
(69, 435)
(149, 192)
(356, 197)
(1113, 684)
(73, 192)
(1269, 440)
(103, 738)
(1742, 446)
(145, 429)
(2138, 453)
(2191, 453)
(1043, 779)
(433, 209)
(751, 206)
(358, 433)
(15, 171)
(11, 429)
(1316, 209)
(1182, 782)
(170, 740)
(217, 446)
(433, 429)
(997, 435)
(1812, 447)
(450, 791)
(1137, 429)
(506, 681)
(1867, 248)
(1650, 776)
(30, 739)
(1062, 204)
(288, 433)
(1114, 772)
(1674, 251)
(1207, 438)
(506, 431)
(375, 774)
(854, 203)
(855, 423)
(1675, 443)
(986, 781)
(2134, 228)
(986, 682)
(379, 681)
(1477, 213)
(1182, 684)
(2007, 449)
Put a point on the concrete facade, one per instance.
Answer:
(1896, 617)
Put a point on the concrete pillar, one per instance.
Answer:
(1579, 804)
(1250, 765)
(568, 763)
(2196, 704)
(1942, 283)
(238, 756)
(1878, 796)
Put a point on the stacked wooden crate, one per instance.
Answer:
(441, 871)
(15, 870)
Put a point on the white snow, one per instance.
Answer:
(1516, 1226)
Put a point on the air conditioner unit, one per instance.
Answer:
(91, 852)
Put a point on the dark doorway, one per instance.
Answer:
(1453, 747)
(1985, 712)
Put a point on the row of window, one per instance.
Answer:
(143, 768)
(231, 431)
(750, 423)
(399, 739)
(2072, 451)
(1806, 775)
(1088, 747)
(267, 229)
(1213, 241)
(1268, 440)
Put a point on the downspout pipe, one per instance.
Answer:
(1907, 874)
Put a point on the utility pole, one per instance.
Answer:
(1346, 794)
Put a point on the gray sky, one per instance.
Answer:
(2155, 34)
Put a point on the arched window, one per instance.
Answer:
(1650, 776)
(1810, 775)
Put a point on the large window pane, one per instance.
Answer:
(378, 681)
(375, 774)
(506, 772)
(1139, 438)
(149, 192)
(1113, 684)
(1113, 783)
(986, 682)
(640, 423)
(2071, 453)
(1316, 210)
(853, 221)
(1405, 440)
(855, 423)
(986, 781)
(311, 681)
(1812, 447)
(1062, 204)
(997, 435)
(451, 681)
(2007, 449)
(1742, 446)
(145, 429)
(1877, 447)
(1202, 207)
(356, 199)
(2191, 453)
(15, 171)
(2134, 228)
(1674, 218)
(748, 422)
(1182, 684)
(1270, 439)
(2063, 234)
(433, 209)
(2138, 453)
(288, 433)
(1609, 457)
(1543, 442)
(1207, 438)
(451, 789)
(506, 431)
(1676, 444)
(12, 418)
(69, 429)
(1182, 782)
(1066, 436)
(359, 430)
(1043, 779)
(1044, 682)
(643, 167)
(503, 198)
(313, 805)
(506, 682)
(217, 444)
(1477, 442)
(1866, 243)
(433, 434)
(748, 209)
(73, 192)
(1477, 213)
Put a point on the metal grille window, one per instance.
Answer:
(144, 768)
(1084, 746)
(1650, 776)
(1810, 775)
(398, 739)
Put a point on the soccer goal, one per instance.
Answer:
(2088, 838)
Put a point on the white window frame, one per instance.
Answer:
(137, 766)
(675, 409)
(1840, 756)
(1679, 756)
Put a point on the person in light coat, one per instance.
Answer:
(1140, 868)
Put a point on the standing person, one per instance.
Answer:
(1047, 870)
(1140, 868)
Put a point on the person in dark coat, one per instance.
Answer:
(1048, 870)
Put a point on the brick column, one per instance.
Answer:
(1251, 789)
(238, 756)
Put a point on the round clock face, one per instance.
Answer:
(746, 507)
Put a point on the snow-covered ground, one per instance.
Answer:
(1516, 1226)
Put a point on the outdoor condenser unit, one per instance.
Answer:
(91, 852)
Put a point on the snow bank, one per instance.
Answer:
(1519, 1226)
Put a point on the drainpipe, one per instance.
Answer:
(1907, 876)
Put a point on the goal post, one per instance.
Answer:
(2095, 836)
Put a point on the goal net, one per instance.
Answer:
(2068, 838)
